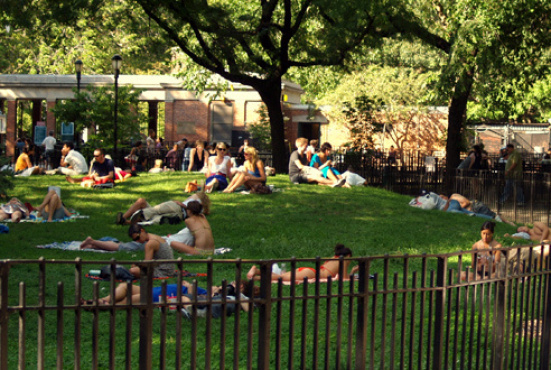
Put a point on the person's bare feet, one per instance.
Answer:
(86, 244)
(252, 273)
(70, 179)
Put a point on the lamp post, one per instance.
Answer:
(78, 70)
(116, 61)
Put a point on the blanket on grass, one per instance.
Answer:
(75, 246)
(34, 219)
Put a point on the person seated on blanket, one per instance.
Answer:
(189, 294)
(539, 233)
(219, 169)
(253, 172)
(328, 269)
(199, 239)
(321, 161)
(121, 175)
(434, 201)
(72, 163)
(24, 166)
(487, 256)
(141, 210)
(102, 171)
(301, 173)
(156, 248)
(52, 208)
(476, 207)
(14, 210)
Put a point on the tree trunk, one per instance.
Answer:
(271, 96)
(456, 117)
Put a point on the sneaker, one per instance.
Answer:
(276, 269)
(50, 172)
(339, 183)
(185, 313)
(120, 219)
(137, 217)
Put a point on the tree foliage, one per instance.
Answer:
(260, 130)
(93, 108)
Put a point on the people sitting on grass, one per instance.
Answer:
(301, 173)
(72, 163)
(156, 248)
(487, 256)
(198, 157)
(253, 172)
(321, 161)
(142, 211)
(24, 165)
(197, 234)
(329, 269)
(52, 208)
(102, 171)
(14, 210)
(538, 233)
(219, 169)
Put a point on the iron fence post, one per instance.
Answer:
(439, 313)
(4, 273)
(499, 324)
(546, 329)
(362, 315)
(146, 316)
(264, 316)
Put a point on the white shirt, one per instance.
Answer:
(49, 142)
(221, 168)
(77, 161)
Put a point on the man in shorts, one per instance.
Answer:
(141, 210)
(301, 173)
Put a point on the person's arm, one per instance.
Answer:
(261, 170)
(472, 156)
(228, 169)
(151, 247)
(542, 229)
(191, 159)
(28, 162)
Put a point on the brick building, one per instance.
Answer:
(186, 114)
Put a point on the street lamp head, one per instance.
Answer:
(78, 66)
(116, 61)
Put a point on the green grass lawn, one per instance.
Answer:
(301, 220)
(297, 221)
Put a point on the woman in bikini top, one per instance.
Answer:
(329, 268)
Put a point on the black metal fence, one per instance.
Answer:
(398, 312)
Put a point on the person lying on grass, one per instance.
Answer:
(188, 296)
(328, 269)
(14, 210)
(141, 210)
(195, 238)
(52, 208)
(539, 233)
(487, 254)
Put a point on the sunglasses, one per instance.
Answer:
(222, 149)
(136, 238)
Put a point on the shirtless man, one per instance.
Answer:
(199, 229)
(169, 208)
(539, 233)
(477, 207)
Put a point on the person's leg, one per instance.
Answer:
(237, 181)
(520, 192)
(3, 215)
(300, 274)
(120, 294)
(73, 180)
(183, 248)
(67, 171)
(50, 204)
(320, 180)
(16, 216)
(331, 175)
(90, 243)
(507, 191)
(141, 203)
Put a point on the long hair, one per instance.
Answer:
(253, 158)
